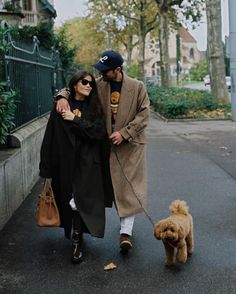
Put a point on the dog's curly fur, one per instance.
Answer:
(176, 232)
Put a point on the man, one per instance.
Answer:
(126, 106)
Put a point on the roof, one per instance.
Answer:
(49, 7)
(186, 36)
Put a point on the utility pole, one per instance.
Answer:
(178, 58)
(232, 46)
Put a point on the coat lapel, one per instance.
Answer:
(105, 93)
(125, 103)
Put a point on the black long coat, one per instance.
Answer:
(76, 156)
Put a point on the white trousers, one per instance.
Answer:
(126, 225)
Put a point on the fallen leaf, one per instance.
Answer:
(223, 147)
(110, 266)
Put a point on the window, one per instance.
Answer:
(27, 5)
(191, 53)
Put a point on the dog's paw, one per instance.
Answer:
(170, 261)
(182, 259)
(190, 251)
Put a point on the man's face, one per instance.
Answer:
(110, 75)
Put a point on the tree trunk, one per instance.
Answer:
(141, 57)
(164, 49)
(129, 48)
(215, 51)
(142, 39)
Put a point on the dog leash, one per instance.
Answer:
(132, 188)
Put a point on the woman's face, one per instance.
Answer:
(84, 87)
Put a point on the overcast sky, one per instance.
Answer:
(67, 9)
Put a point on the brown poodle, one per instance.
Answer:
(176, 232)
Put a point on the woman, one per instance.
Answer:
(74, 154)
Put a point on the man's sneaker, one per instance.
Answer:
(125, 243)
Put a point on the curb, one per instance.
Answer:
(158, 115)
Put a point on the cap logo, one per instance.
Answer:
(104, 58)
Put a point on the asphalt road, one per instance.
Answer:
(194, 161)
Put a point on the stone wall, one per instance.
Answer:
(19, 167)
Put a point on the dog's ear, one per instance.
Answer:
(180, 233)
(157, 231)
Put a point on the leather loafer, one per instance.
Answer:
(125, 243)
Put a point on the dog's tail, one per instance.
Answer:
(178, 207)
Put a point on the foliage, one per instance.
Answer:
(62, 44)
(48, 39)
(182, 102)
(7, 111)
(43, 31)
(7, 98)
(132, 20)
(88, 43)
(133, 70)
(4, 46)
(12, 6)
(199, 71)
(110, 19)
(185, 11)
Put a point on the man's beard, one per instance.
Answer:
(107, 79)
(110, 78)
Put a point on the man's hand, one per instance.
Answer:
(116, 138)
(67, 115)
(62, 104)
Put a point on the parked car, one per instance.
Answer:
(151, 81)
(228, 82)
(206, 80)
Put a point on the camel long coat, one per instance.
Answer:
(128, 160)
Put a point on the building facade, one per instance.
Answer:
(189, 55)
(27, 12)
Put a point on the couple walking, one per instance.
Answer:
(94, 151)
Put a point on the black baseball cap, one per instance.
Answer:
(110, 59)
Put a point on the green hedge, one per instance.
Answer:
(180, 102)
(7, 112)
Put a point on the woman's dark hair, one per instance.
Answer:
(93, 105)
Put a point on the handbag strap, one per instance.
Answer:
(47, 186)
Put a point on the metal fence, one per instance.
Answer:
(34, 72)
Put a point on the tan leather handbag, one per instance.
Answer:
(47, 214)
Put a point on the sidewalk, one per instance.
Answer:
(194, 161)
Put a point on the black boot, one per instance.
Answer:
(76, 247)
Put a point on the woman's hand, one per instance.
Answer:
(67, 115)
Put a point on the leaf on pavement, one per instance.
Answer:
(110, 266)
